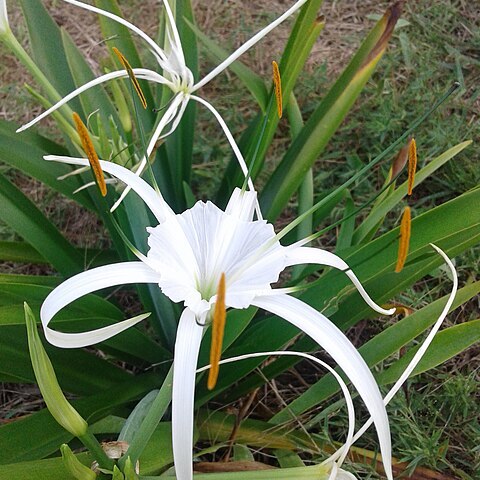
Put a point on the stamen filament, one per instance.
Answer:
(92, 156)
(218, 329)
(404, 244)
(132, 76)
(277, 82)
(412, 164)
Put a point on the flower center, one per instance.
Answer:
(191, 251)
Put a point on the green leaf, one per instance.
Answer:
(328, 116)
(39, 435)
(344, 239)
(20, 214)
(46, 45)
(119, 36)
(392, 200)
(445, 345)
(25, 253)
(25, 152)
(91, 100)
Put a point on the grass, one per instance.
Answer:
(436, 417)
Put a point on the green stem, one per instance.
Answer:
(150, 422)
(97, 451)
(12, 43)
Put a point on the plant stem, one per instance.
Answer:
(97, 451)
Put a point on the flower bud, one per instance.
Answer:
(74, 466)
(4, 26)
(57, 404)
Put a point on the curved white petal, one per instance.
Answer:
(248, 44)
(88, 282)
(152, 199)
(187, 346)
(420, 352)
(303, 255)
(290, 353)
(123, 22)
(166, 118)
(233, 144)
(141, 73)
(326, 334)
(70, 96)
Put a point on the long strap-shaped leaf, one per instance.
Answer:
(20, 214)
(327, 117)
(25, 152)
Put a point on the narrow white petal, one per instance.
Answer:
(304, 255)
(88, 282)
(153, 199)
(176, 37)
(187, 346)
(122, 21)
(166, 118)
(233, 144)
(421, 351)
(248, 44)
(70, 96)
(326, 334)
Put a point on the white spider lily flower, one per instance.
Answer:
(176, 76)
(188, 254)
(4, 25)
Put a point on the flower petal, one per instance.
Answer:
(123, 22)
(326, 334)
(248, 44)
(233, 144)
(177, 44)
(187, 346)
(139, 72)
(303, 255)
(88, 282)
(166, 118)
(153, 199)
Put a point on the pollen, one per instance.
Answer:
(404, 243)
(89, 150)
(132, 76)
(218, 329)
(412, 164)
(277, 82)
